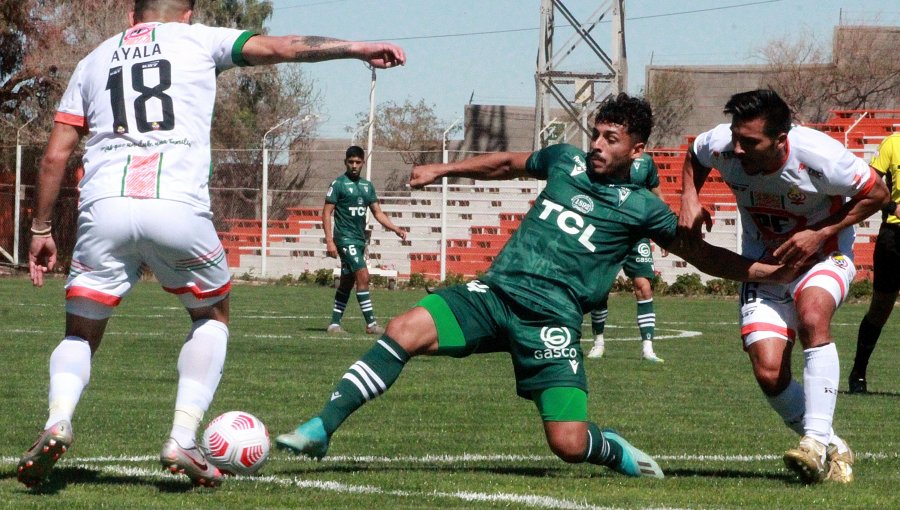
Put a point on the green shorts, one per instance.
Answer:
(352, 258)
(639, 261)
(474, 318)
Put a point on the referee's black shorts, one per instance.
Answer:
(887, 259)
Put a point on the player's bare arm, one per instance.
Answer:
(722, 263)
(264, 49)
(330, 247)
(798, 249)
(496, 166)
(42, 250)
(693, 216)
(386, 222)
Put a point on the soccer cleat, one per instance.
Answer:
(857, 384)
(190, 462)
(599, 347)
(634, 462)
(840, 465)
(374, 329)
(37, 462)
(308, 439)
(652, 358)
(335, 329)
(807, 460)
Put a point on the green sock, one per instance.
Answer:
(365, 304)
(369, 377)
(598, 319)
(340, 304)
(600, 451)
(646, 319)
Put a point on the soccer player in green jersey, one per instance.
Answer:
(559, 264)
(639, 267)
(349, 198)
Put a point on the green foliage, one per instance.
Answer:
(417, 281)
(306, 277)
(378, 281)
(622, 284)
(248, 275)
(687, 285)
(453, 279)
(659, 285)
(720, 287)
(861, 289)
(324, 277)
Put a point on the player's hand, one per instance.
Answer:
(382, 55)
(401, 234)
(41, 258)
(424, 175)
(331, 249)
(797, 250)
(693, 218)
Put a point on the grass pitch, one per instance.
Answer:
(451, 433)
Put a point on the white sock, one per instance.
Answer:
(199, 371)
(821, 372)
(790, 404)
(647, 347)
(70, 371)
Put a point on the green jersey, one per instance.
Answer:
(351, 200)
(565, 255)
(644, 172)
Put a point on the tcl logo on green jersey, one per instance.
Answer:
(357, 211)
(569, 222)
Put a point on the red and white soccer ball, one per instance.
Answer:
(236, 442)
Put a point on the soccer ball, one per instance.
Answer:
(236, 442)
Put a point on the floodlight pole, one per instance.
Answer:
(265, 194)
(18, 194)
(445, 158)
(371, 127)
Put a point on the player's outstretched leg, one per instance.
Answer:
(365, 380)
(632, 462)
(51, 444)
(308, 439)
(190, 462)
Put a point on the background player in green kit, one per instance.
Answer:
(349, 198)
(639, 267)
(559, 264)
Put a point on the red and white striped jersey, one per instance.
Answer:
(818, 176)
(146, 98)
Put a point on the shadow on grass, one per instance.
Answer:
(733, 473)
(870, 394)
(536, 472)
(61, 477)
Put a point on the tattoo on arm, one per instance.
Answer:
(313, 48)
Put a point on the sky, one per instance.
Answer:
(484, 51)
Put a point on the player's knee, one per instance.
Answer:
(771, 380)
(415, 333)
(568, 448)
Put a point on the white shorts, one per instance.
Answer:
(767, 310)
(177, 241)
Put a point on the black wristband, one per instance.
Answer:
(889, 208)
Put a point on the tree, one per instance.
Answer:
(670, 96)
(862, 73)
(413, 129)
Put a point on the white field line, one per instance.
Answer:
(454, 459)
(529, 500)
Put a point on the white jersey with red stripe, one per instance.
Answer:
(146, 98)
(818, 176)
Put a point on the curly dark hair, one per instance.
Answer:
(632, 112)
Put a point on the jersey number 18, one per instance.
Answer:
(116, 85)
